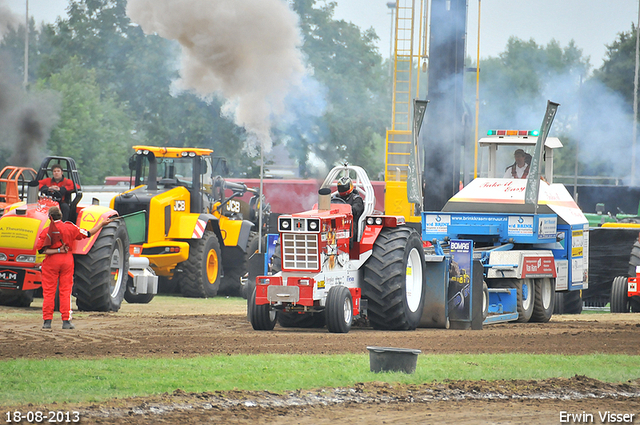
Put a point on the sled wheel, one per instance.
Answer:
(544, 299)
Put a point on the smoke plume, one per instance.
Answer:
(26, 120)
(246, 51)
(7, 19)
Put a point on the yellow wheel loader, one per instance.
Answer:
(194, 235)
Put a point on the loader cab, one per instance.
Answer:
(498, 147)
(161, 169)
(69, 171)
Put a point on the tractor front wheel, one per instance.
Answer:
(394, 282)
(262, 317)
(339, 310)
(201, 272)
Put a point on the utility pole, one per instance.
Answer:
(26, 47)
(392, 8)
(635, 103)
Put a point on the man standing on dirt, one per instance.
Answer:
(55, 241)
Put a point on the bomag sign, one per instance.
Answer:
(19, 232)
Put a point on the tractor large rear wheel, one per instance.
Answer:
(544, 298)
(394, 281)
(634, 261)
(101, 274)
(619, 295)
(200, 277)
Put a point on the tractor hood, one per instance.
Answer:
(507, 196)
(19, 228)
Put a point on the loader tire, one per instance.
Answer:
(619, 295)
(544, 299)
(16, 298)
(634, 261)
(262, 317)
(339, 310)
(201, 272)
(394, 280)
(238, 266)
(296, 320)
(133, 298)
(101, 274)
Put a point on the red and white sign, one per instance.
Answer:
(538, 267)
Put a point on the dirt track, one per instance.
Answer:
(171, 326)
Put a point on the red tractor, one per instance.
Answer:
(329, 274)
(101, 261)
(625, 294)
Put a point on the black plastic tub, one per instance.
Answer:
(389, 359)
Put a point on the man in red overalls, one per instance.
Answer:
(59, 188)
(55, 241)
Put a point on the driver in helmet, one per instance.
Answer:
(58, 188)
(349, 195)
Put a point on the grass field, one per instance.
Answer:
(53, 380)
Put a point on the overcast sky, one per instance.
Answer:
(591, 23)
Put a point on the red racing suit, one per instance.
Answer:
(66, 186)
(58, 266)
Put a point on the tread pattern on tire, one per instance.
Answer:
(540, 314)
(334, 312)
(619, 295)
(260, 316)
(634, 260)
(193, 280)
(92, 278)
(384, 280)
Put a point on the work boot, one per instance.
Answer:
(66, 324)
(46, 324)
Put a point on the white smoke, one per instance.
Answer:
(8, 19)
(246, 51)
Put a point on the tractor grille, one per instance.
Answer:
(300, 251)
